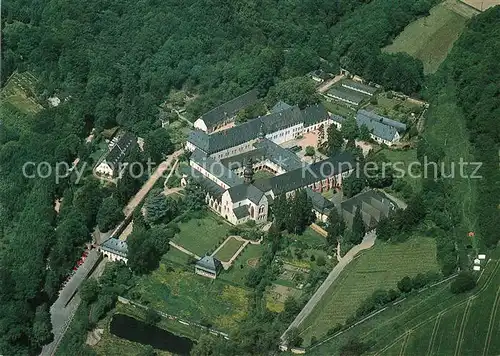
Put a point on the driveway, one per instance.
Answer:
(368, 242)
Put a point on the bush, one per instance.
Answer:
(464, 282)
(333, 330)
(320, 261)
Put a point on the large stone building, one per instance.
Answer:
(224, 163)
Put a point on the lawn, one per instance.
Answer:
(418, 313)
(262, 175)
(175, 256)
(193, 297)
(201, 236)
(229, 249)
(338, 109)
(298, 254)
(379, 268)
(431, 38)
(245, 262)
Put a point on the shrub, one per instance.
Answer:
(464, 282)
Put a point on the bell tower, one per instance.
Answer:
(248, 172)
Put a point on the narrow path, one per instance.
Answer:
(182, 249)
(465, 318)
(368, 242)
(319, 229)
(325, 86)
(434, 333)
(402, 352)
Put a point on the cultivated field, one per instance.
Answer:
(193, 297)
(202, 235)
(229, 249)
(379, 268)
(431, 38)
(434, 322)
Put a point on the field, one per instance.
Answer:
(243, 264)
(193, 297)
(19, 91)
(435, 322)
(229, 249)
(431, 38)
(405, 158)
(379, 268)
(202, 235)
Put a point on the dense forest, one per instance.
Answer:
(116, 61)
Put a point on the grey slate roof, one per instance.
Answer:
(116, 246)
(245, 132)
(244, 191)
(302, 177)
(120, 149)
(209, 263)
(373, 204)
(314, 114)
(337, 118)
(377, 125)
(359, 86)
(241, 211)
(279, 155)
(215, 167)
(319, 202)
(229, 109)
(347, 94)
(386, 121)
(280, 106)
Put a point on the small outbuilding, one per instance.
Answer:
(208, 266)
(477, 268)
(481, 257)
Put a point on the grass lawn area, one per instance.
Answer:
(403, 158)
(229, 249)
(262, 175)
(379, 268)
(338, 109)
(202, 235)
(193, 297)
(175, 256)
(245, 262)
(431, 38)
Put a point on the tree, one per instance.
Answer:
(335, 140)
(358, 227)
(194, 196)
(364, 133)
(110, 214)
(350, 129)
(159, 207)
(157, 144)
(89, 291)
(148, 351)
(205, 346)
(353, 185)
(320, 261)
(294, 91)
(385, 229)
(42, 327)
(335, 227)
(310, 151)
(405, 285)
(152, 317)
(464, 282)
(354, 347)
(293, 337)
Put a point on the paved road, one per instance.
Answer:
(325, 86)
(401, 204)
(367, 242)
(64, 308)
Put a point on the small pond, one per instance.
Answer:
(135, 330)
